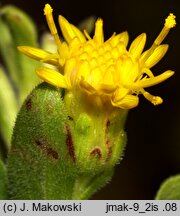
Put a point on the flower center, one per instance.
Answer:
(96, 62)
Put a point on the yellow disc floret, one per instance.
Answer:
(106, 69)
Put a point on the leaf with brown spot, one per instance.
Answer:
(28, 104)
(109, 147)
(69, 143)
(96, 152)
(43, 145)
(52, 154)
(108, 124)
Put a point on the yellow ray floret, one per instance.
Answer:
(40, 55)
(106, 69)
(52, 77)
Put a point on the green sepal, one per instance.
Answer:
(169, 189)
(3, 185)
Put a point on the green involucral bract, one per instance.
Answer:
(61, 149)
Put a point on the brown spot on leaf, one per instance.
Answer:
(43, 145)
(109, 147)
(40, 143)
(107, 124)
(70, 118)
(96, 152)
(69, 143)
(52, 153)
(28, 104)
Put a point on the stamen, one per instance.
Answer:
(170, 22)
(50, 21)
(156, 100)
(87, 34)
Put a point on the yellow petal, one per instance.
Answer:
(128, 71)
(39, 54)
(52, 77)
(79, 34)
(64, 50)
(119, 94)
(124, 37)
(85, 86)
(99, 35)
(74, 45)
(156, 56)
(84, 69)
(69, 31)
(70, 71)
(110, 75)
(144, 83)
(128, 102)
(147, 72)
(156, 100)
(137, 45)
(66, 29)
(114, 40)
(96, 77)
(106, 89)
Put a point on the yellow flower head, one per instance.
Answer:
(106, 69)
